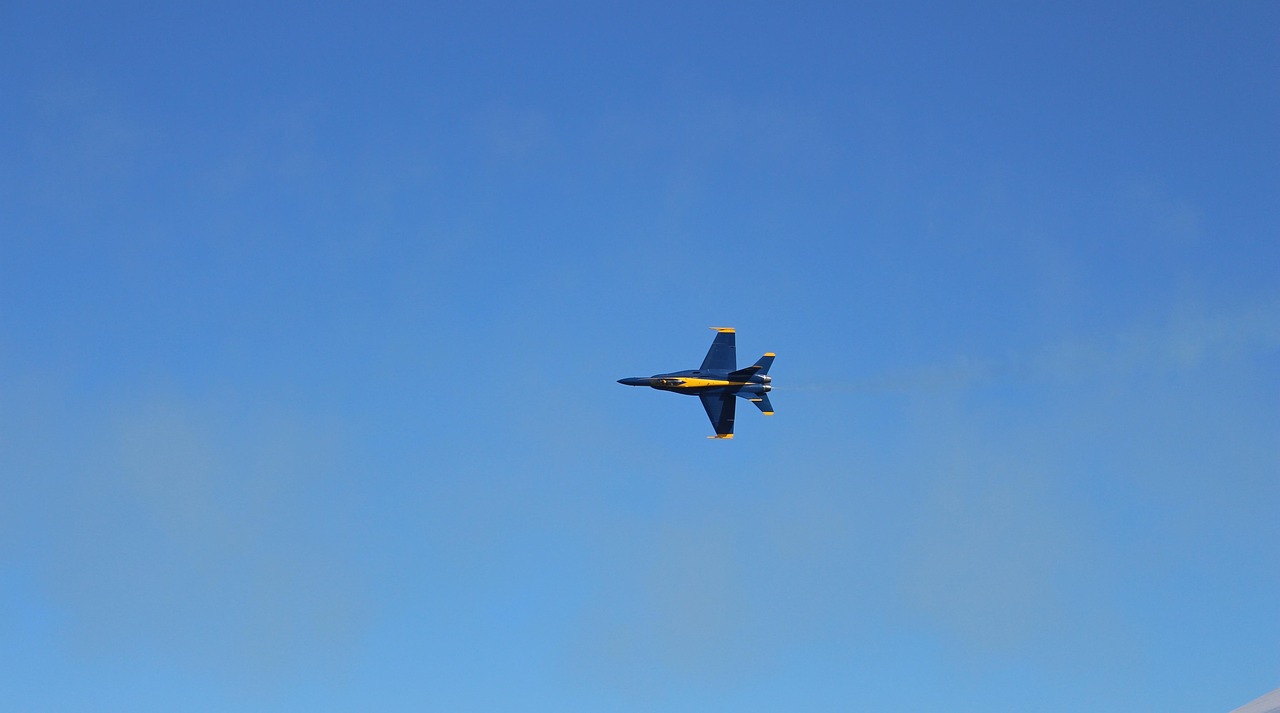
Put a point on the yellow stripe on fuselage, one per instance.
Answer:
(703, 383)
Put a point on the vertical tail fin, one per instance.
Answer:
(760, 399)
(765, 362)
(763, 404)
(759, 368)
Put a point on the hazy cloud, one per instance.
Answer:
(985, 548)
(718, 588)
(1185, 341)
(194, 531)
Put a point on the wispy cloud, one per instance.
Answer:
(1184, 341)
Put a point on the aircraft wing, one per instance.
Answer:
(720, 407)
(1268, 703)
(723, 354)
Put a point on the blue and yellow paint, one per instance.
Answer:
(718, 382)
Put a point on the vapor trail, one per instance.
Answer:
(1181, 344)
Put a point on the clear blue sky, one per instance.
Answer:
(311, 315)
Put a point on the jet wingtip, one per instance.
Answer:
(724, 330)
(722, 435)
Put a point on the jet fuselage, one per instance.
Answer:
(694, 382)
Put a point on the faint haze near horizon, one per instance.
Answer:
(310, 320)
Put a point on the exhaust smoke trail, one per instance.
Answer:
(1181, 344)
(964, 373)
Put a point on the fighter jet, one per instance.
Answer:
(718, 382)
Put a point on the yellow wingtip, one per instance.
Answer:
(770, 354)
(768, 413)
(724, 330)
(722, 435)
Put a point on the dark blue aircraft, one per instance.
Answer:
(718, 382)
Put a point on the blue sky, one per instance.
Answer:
(310, 320)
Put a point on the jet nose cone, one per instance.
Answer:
(633, 381)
